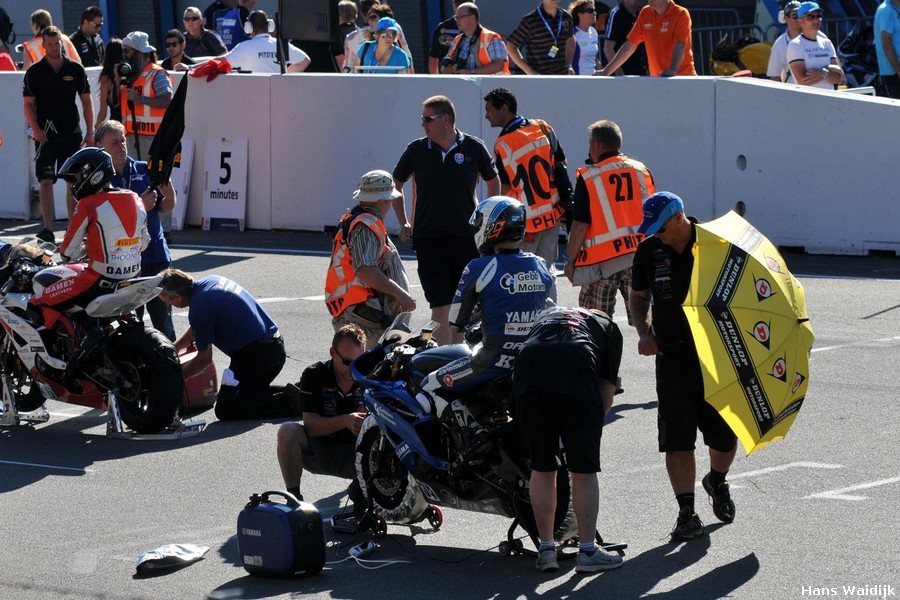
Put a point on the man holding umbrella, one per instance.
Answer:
(661, 272)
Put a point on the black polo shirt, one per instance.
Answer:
(90, 49)
(445, 185)
(538, 32)
(55, 94)
(618, 26)
(321, 395)
(667, 274)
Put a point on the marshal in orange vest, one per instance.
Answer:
(146, 117)
(342, 288)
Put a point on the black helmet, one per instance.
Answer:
(497, 219)
(95, 167)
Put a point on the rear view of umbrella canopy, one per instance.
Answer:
(748, 317)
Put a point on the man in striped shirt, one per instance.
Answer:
(548, 36)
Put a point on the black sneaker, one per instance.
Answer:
(46, 235)
(720, 499)
(688, 526)
(357, 498)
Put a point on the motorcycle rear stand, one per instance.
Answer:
(355, 523)
(116, 428)
(513, 546)
(10, 415)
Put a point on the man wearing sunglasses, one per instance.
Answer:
(779, 69)
(200, 41)
(811, 55)
(373, 12)
(661, 273)
(325, 442)
(87, 39)
(175, 43)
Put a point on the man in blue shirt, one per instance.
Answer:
(133, 175)
(887, 45)
(215, 304)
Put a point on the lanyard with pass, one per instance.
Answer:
(554, 48)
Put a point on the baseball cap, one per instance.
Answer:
(787, 9)
(387, 24)
(659, 208)
(375, 186)
(806, 8)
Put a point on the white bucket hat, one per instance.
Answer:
(139, 41)
(375, 186)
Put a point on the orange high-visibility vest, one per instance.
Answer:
(528, 159)
(484, 40)
(617, 187)
(147, 117)
(35, 49)
(342, 288)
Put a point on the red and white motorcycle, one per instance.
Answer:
(98, 355)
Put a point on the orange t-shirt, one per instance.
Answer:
(660, 33)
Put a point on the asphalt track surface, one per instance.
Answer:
(815, 512)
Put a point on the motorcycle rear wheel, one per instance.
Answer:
(26, 394)
(151, 386)
(564, 524)
(395, 494)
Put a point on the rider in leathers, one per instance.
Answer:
(510, 287)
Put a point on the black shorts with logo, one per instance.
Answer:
(441, 263)
(50, 156)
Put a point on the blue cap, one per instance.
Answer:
(806, 8)
(387, 23)
(659, 208)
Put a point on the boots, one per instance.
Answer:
(475, 438)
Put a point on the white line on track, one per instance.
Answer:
(891, 341)
(43, 466)
(793, 465)
(839, 494)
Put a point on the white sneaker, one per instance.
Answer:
(599, 561)
(546, 561)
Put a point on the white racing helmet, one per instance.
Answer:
(497, 219)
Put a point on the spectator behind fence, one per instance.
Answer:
(618, 25)
(609, 196)
(812, 58)
(665, 30)
(548, 36)
(441, 40)
(347, 14)
(110, 97)
(175, 43)
(382, 50)
(133, 175)
(200, 41)
(87, 40)
(229, 22)
(587, 48)
(259, 54)
(445, 164)
(6, 61)
(33, 50)
(779, 69)
(374, 11)
(366, 283)
(146, 94)
(7, 36)
(256, 349)
(50, 87)
(476, 50)
(887, 45)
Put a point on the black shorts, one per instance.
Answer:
(682, 409)
(49, 157)
(545, 418)
(325, 457)
(441, 263)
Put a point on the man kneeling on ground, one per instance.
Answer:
(325, 442)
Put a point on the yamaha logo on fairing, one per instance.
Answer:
(251, 532)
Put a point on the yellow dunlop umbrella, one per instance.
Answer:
(748, 317)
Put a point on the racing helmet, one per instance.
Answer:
(497, 219)
(96, 170)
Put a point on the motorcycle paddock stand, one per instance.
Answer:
(10, 415)
(117, 429)
(512, 545)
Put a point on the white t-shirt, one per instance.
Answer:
(816, 54)
(586, 49)
(259, 54)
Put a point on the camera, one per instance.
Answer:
(124, 70)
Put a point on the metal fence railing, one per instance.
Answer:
(705, 39)
(715, 17)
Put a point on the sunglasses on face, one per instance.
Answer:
(386, 34)
(345, 361)
(430, 118)
(589, 10)
(172, 44)
(373, 17)
(98, 25)
(192, 18)
(813, 17)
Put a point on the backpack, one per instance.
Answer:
(7, 35)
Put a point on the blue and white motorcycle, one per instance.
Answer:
(406, 454)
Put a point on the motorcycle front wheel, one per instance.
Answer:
(149, 386)
(26, 394)
(394, 493)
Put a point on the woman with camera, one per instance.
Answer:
(109, 83)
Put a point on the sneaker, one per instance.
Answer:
(720, 499)
(688, 526)
(46, 235)
(600, 560)
(546, 561)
